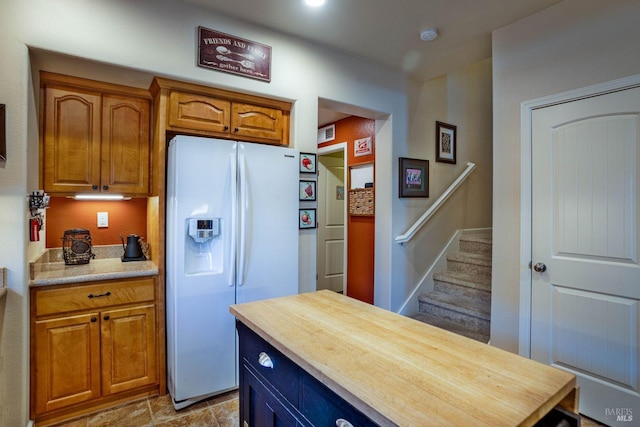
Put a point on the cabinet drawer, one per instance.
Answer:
(323, 407)
(283, 376)
(94, 296)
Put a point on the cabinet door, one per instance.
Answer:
(198, 112)
(128, 348)
(260, 408)
(125, 145)
(67, 358)
(71, 140)
(257, 123)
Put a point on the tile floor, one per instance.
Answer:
(219, 411)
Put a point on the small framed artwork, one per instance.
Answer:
(414, 177)
(307, 218)
(308, 191)
(446, 143)
(307, 163)
(362, 147)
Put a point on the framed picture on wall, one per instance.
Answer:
(308, 191)
(307, 163)
(307, 218)
(414, 177)
(446, 143)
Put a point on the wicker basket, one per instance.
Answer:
(361, 202)
(76, 246)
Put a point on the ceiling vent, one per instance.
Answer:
(326, 134)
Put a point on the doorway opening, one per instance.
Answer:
(332, 233)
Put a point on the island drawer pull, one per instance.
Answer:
(265, 360)
(343, 423)
(100, 295)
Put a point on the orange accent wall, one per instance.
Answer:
(125, 217)
(360, 229)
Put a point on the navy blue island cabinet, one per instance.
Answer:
(274, 391)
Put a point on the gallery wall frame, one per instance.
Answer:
(308, 163)
(307, 218)
(307, 191)
(446, 143)
(413, 177)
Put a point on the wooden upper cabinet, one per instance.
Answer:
(96, 137)
(197, 112)
(211, 112)
(257, 122)
(125, 145)
(71, 140)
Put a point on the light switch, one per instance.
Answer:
(103, 219)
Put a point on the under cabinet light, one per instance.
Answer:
(314, 3)
(100, 197)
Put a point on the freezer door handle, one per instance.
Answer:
(234, 212)
(242, 176)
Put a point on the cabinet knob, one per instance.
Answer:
(236, 130)
(265, 360)
(106, 317)
(94, 187)
(93, 319)
(343, 423)
(105, 187)
(226, 128)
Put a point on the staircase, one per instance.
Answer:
(461, 299)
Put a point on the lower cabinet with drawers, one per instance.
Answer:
(93, 345)
(274, 391)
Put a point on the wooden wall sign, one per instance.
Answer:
(230, 54)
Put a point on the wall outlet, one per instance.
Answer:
(103, 219)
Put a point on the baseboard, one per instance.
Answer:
(425, 284)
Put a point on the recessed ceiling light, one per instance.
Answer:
(429, 34)
(314, 3)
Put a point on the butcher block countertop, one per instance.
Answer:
(402, 372)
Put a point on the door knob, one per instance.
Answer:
(540, 267)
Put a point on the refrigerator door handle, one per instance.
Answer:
(234, 212)
(242, 176)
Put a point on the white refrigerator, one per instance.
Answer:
(231, 237)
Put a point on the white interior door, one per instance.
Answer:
(330, 216)
(585, 232)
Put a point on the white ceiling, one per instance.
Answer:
(387, 31)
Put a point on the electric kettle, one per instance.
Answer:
(135, 249)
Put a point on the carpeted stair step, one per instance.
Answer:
(477, 243)
(469, 263)
(463, 284)
(465, 311)
(452, 327)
